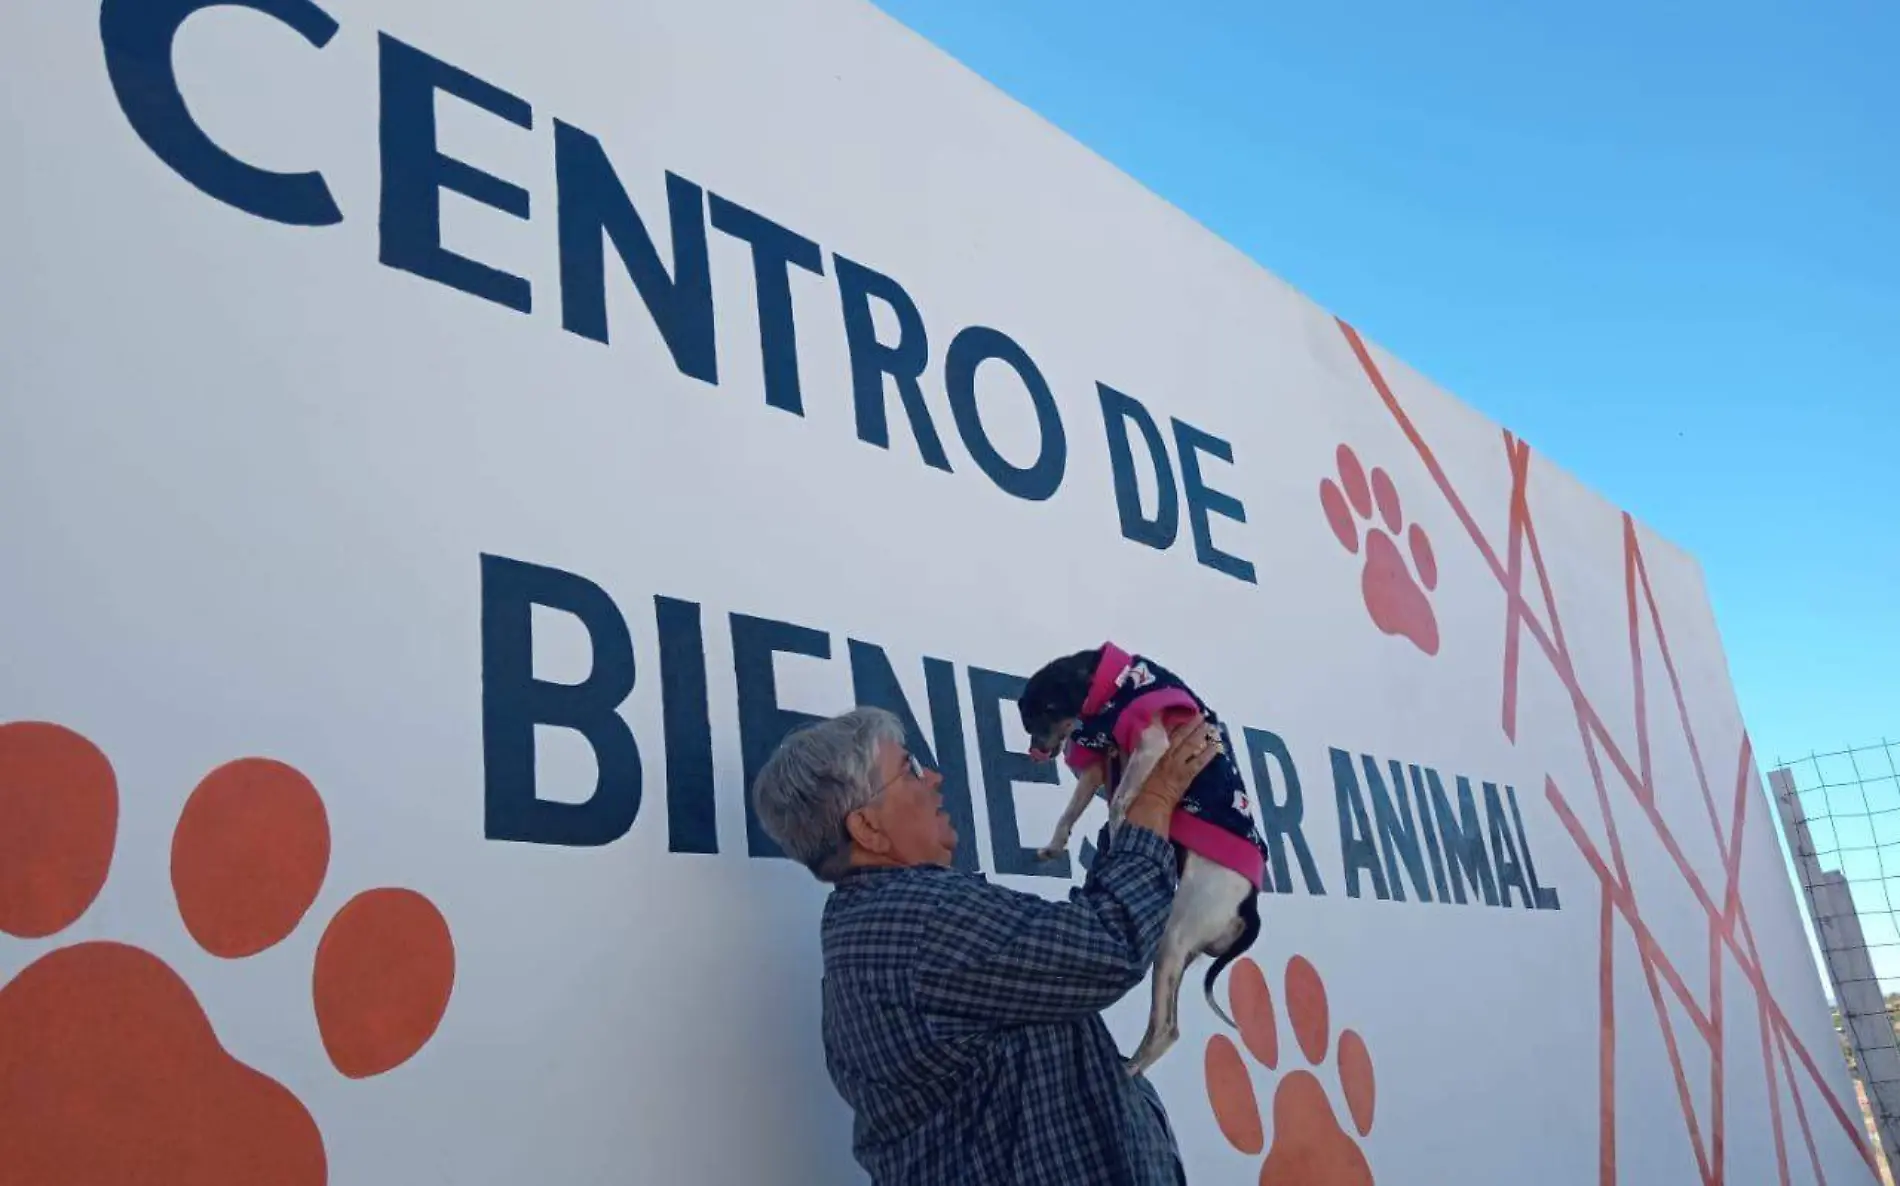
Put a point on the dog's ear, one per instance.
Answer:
(1060, 687)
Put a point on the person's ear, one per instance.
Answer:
(865, 833)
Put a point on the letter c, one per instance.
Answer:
(138, 36)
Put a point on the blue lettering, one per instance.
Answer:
(1544, 895)
(762, 723)
(1117, 411)
(514, 702)
(968, 351)
(592, 202)
(1504, 850)
(1431, 836)
(1398, 835)
(1358, 853)
(1203, 500)
(415, 173)
(1280, 818)
(871, 359)
(1003, 768)
(137, 36)
(775, 252)
(1462, 834)
(691, 819)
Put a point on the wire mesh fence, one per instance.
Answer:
(1851, 801)
(1841, 813)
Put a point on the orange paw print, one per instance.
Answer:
(1399, 602)
(1309, 1146)
(109, 1069)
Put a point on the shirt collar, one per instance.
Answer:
(865, 876)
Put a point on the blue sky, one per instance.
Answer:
(1658, 240)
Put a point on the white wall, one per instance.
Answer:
(248, 473)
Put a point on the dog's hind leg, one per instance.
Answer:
(1205, 908)
(1163, 1024)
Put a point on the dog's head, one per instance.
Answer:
(1051, 702)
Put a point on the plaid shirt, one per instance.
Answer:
(962, 1024)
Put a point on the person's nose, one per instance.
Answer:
(933, 779)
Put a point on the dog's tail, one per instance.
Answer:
(1250, 930)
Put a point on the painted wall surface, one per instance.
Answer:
(371, 371)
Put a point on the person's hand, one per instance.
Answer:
(1192, 744)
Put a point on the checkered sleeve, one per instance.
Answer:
(1004, 957)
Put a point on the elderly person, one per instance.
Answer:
(962, 1019)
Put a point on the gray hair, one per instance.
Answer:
(820, 774)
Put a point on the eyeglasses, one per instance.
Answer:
(912, 767)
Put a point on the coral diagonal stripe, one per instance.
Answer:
(1675, 684)
(1606, 1044)
(1520, 456)
(1646, 778)
(1774, 1091)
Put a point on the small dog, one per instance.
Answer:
(1108, 712)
